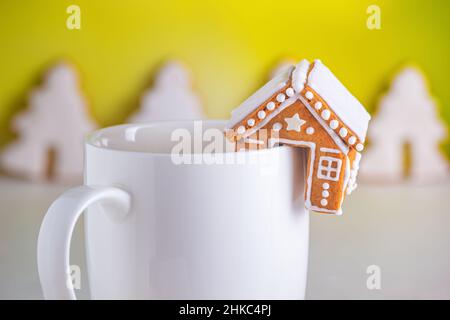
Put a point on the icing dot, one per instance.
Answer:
(343, 132)
(318, 105)
(334, 124)
(261, 114)
(326, 186)
(325, 194)
(352, 140)
(324, 202)
(326, 114)
(277, 126)
(270, 106)
(290, 92)
(281, 97)
(251, 122)
(310, 130)
(241, 130)
(359, 147)
(309, 95)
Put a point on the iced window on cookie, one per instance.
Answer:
(329, 168)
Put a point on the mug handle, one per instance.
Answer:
(53, 250)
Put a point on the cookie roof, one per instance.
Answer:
(349, 110)
(256, 99)
(344, 104)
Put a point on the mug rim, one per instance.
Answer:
(89, 139)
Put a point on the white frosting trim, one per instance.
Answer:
(340, 100)
(336, 212)
(329, 150)
(310, 130)
(254, 141)
(331, 133)
(347, 177)
(354, 173)
(299, 75)
(280, 108)
(259, 97)
(277, 126)
(359, 147)
(290, 92)
(323, 81)
(241, 130)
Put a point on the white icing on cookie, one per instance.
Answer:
(326, 186)
(359, 147)
(310, 130)
(347, 178)
(270, 106)
(352, 140)
(259, 97)
(241, 130)
(343, 103)
(299, 75)
(318, 105)
(353, 174)
(330, 132)
(334, 124)
(325, 114)
(281, 97)
(330, 150)
(272, 115)
(309, 95)
(294, 123)
(251, 122)
(343, 132)
(324, 202)
(325, 194)
(290, 92)
(277, 126)
(261, 114)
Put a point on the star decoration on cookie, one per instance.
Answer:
(294, 123)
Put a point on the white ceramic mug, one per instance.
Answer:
(156, 229)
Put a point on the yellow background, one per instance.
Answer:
(230, 46)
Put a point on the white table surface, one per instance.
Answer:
(402, 229)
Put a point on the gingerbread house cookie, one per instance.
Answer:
(307, 106)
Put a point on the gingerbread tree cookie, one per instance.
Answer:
(391, 133)
(172, 97)
(307, 106)
(51, 131)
